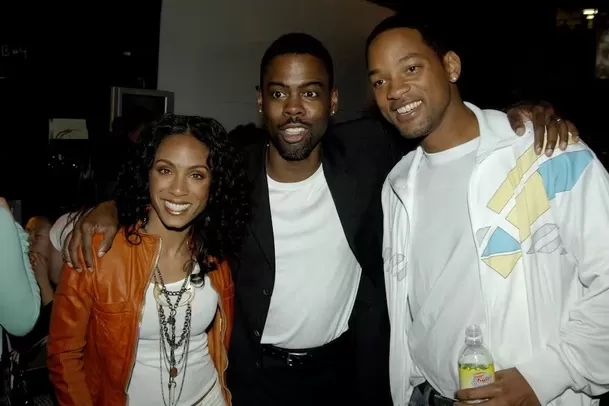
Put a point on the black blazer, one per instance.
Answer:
(356, 156)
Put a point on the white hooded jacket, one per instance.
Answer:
(541, 227)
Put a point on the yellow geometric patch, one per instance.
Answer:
(503, 264)
(505, 192)
(531, 203)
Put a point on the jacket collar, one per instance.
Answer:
(495, 133)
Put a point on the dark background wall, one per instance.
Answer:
(60, 60)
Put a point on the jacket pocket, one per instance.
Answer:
(112, 331)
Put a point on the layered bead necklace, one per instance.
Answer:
(168, 342)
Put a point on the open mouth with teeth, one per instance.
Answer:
(176, 208)
(293, 135)
(409, 108)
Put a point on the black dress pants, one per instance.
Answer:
(327, 378)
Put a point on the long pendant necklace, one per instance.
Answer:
(168, 341)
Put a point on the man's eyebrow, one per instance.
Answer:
(401, 60)
(312, 83)
(274, 83)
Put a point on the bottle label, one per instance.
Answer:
(473, 376)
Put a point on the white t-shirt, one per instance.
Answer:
(317, 275)
(200, 373)
(445, 294)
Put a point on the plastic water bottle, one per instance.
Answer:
(476, 366)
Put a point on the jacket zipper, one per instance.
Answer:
(139, 323)
(222, 332)
(478, 254)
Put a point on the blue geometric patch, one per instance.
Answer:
(500, 243)
(560, 174)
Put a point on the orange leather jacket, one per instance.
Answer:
(95, 323)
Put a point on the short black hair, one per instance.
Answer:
(299, 44)
(435, 33)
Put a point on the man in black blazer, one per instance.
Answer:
(311, 324)
(354, 165)
(298, 340)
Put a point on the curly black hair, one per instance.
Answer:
(218, 231)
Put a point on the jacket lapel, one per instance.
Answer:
(261, 225)
(342, 184)
(343, 187)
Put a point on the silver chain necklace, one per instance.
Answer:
(168, 342)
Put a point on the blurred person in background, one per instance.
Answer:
(19, 292)
(40, 253)
(29, 373)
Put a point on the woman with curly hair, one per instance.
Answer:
(152, 324)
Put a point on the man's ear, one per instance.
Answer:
(452, 66)
(259, 99)
(334, 101)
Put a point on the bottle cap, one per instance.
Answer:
(473, 333)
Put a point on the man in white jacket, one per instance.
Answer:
(479, 229)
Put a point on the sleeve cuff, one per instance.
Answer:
(547, 375)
